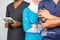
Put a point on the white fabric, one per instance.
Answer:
(33, 7)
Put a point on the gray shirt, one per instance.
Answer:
(16, 14)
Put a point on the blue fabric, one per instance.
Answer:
(54, 9)
(29, 18)
(46, 38)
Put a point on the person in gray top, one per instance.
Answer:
(15, 10)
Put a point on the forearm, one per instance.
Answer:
(51, 23)
(54, 17)
(16, 24)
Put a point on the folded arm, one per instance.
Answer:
(51, 23)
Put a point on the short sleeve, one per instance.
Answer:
(7, 12)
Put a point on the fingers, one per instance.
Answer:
(13, 25)
(41, 10)
(40, 16)
(34, 25)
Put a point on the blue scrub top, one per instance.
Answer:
(30, 17)
(54, 10)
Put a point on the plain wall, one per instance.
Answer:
(3, 4)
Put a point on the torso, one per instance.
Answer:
(16, 14)
(33, 17)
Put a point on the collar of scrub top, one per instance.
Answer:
(33, 7)
(55, 7)
(54, 3)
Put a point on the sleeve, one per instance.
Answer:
(40, 5)
(7, 12)
(26, 23)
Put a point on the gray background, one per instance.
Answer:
(3, 31)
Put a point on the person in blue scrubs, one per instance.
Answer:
(50, 10)
(30, 21)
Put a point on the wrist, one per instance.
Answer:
(54, 17)
(51, 17)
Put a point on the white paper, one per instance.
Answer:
(7, 19)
